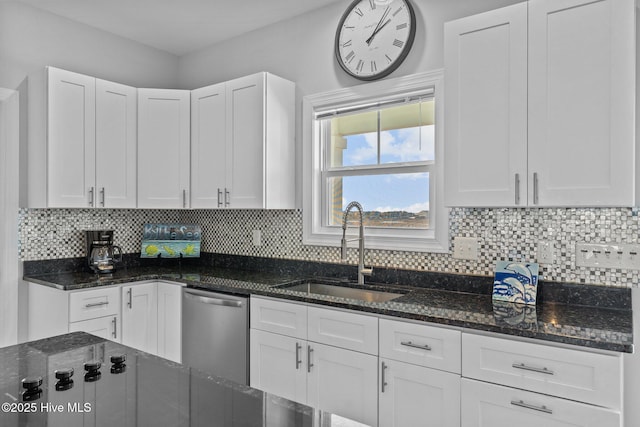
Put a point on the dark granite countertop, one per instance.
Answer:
(597, 325)
(147, 391)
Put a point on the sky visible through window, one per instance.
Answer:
(388, 193)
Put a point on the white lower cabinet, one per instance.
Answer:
(278, 365)
(343, 382)
(144, 315)
(140, 317)
(490, 405)
(413, 395)
(105, 327)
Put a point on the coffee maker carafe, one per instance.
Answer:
(102, 254)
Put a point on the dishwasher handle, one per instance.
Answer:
(213, 301)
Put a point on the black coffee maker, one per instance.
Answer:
(102, 254)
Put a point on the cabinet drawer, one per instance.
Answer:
(420, 344)
(95, 303)
(280, 317)
(573, 374)
(492, 405)
(104, 327)
(341, 329)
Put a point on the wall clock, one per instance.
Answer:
(374, 37)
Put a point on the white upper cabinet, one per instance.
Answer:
(486, 121)
(71, 124)
(91, 142)
(242, 149)
(116, 128)
(541, 105)
(208, 145)
(164, 121)
(581, 102)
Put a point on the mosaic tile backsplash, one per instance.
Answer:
(503, 234)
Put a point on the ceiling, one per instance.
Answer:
(178, 26)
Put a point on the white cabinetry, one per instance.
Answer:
(306, 366)
(541, 105)
(170, 321)
(538, 384)
(242, 151)
(144, 315)
(140, 317)
(163, 148)
(55, 312)
(419, 375)
(91, 142)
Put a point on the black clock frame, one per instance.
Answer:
(394, 65)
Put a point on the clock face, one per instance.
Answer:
(374, 37)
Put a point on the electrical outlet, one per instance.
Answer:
(465, 248)
(257, 238)
(546, 253)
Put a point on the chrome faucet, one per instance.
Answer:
(362, 271)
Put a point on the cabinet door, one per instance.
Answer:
(140, 317)
(105, 327)
(278, 365)
(70, 140)
(164, 121)
(486, 108)
(485, 405)
(343, 382)
(245, 142)
(581, 102)
(413, 395)
(208, 146)
(116, 137)
(170, 321)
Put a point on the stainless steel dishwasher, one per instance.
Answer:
(215, 333)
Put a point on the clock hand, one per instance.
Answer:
(375, 30)
(370, 39)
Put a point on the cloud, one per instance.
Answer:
(415, 208)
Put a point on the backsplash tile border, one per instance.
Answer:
(503, 234)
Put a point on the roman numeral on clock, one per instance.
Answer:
(374, 68)
(398, 43)
(358, 12)
(360, 65)
(350, 56)
(346, 44)
(373, 4)
(401, 26)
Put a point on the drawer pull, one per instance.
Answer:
(522, 404)
(309, 364)
(115, 327)
(533, 369)
(410, 344)
(96, 304)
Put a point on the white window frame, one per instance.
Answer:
(314, 232)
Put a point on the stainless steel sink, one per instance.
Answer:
(335, 290)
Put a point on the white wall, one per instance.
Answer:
(302, 50)
(31, 39)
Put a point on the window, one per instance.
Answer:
(382, 150)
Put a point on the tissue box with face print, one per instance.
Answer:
(516, 282)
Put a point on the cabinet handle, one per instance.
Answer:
(421, 347)
(298, 360)
(522, 404)
(309, 364)
(535, 188)
(184, 198)
(226, 197)
(532, 368)
(517, 189)
(129, 304)
(96, 304)
(219, 198)
(383, 381)
(102, 196)
(115, 324)
(91, 197)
